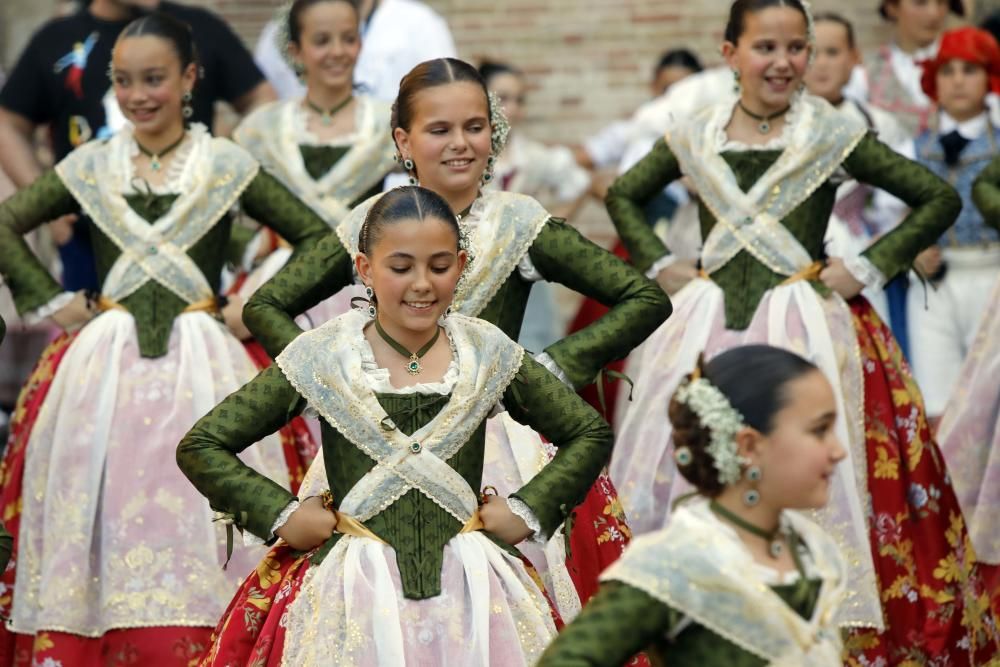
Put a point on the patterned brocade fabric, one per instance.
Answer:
(414, 525)
(621, 620)
(744, 280)
(153, 305)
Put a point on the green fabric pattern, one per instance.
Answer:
(560, 253)
(620, 621)
(415, 526)
(31, 285)
(153, 306)
(934, 206)
(986, 193)
(320, 159)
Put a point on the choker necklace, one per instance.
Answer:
(154, 158)
(765, 121)
(775, 538)
(326, 115)
(413, 366)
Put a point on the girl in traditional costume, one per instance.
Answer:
(738, 577)
(116, 553)
(407, 568)
(448, 136)
(330, 147)
(766, 169)
(969, 431)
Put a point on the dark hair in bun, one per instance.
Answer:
(753, 379)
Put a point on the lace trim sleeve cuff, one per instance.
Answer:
(251, 540)
(864, 271)
(521, 509)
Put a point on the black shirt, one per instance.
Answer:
(61, 80)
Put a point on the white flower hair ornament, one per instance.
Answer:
(723, 422)
(499, 124)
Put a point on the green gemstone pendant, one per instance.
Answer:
(414, 367)
(154, 164)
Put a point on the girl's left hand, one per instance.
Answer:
(499, 520)
(840, 280)
(232, 315)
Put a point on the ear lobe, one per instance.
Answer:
(402, 139)
(364, 268)
(748, 442)
(729, 54)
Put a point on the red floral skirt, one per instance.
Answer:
(934, 597)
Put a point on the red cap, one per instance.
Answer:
(969, 44)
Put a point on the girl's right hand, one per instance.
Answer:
(74, 314)
(309, 526)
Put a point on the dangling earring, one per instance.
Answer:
(370, 293)
(448, 311)
(752, 496)
(186, 109)
(488, 174)
(736, 81)
(409, 167)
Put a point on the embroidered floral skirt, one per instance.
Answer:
(917, 592)
(115, 553)
(350, 610)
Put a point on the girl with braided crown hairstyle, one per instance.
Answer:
(738, 577)
(767, 166)
(448, 134)
(407, 564)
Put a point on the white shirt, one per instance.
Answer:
(399, 35)
(970, 129)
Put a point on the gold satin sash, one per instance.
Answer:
(348, 525)
(811, 272)
(209, 305)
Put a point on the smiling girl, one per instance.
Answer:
(411, 564)
(116, 554)
(448, 137)
(729, 582)
(767, 168)
(330, 147)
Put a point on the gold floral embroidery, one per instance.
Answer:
(885, 467)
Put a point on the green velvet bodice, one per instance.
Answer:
(559, 253)
(153, 306)
(744, 280)
(620, 620)
(414, 526)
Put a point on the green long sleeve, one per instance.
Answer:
(272, 204)
(44, 200)
(637, 305)
(618, 622)
(207, 454)
(584, 440)
(986, 193)
(314, 275)
(934, 205)
(631, 193)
